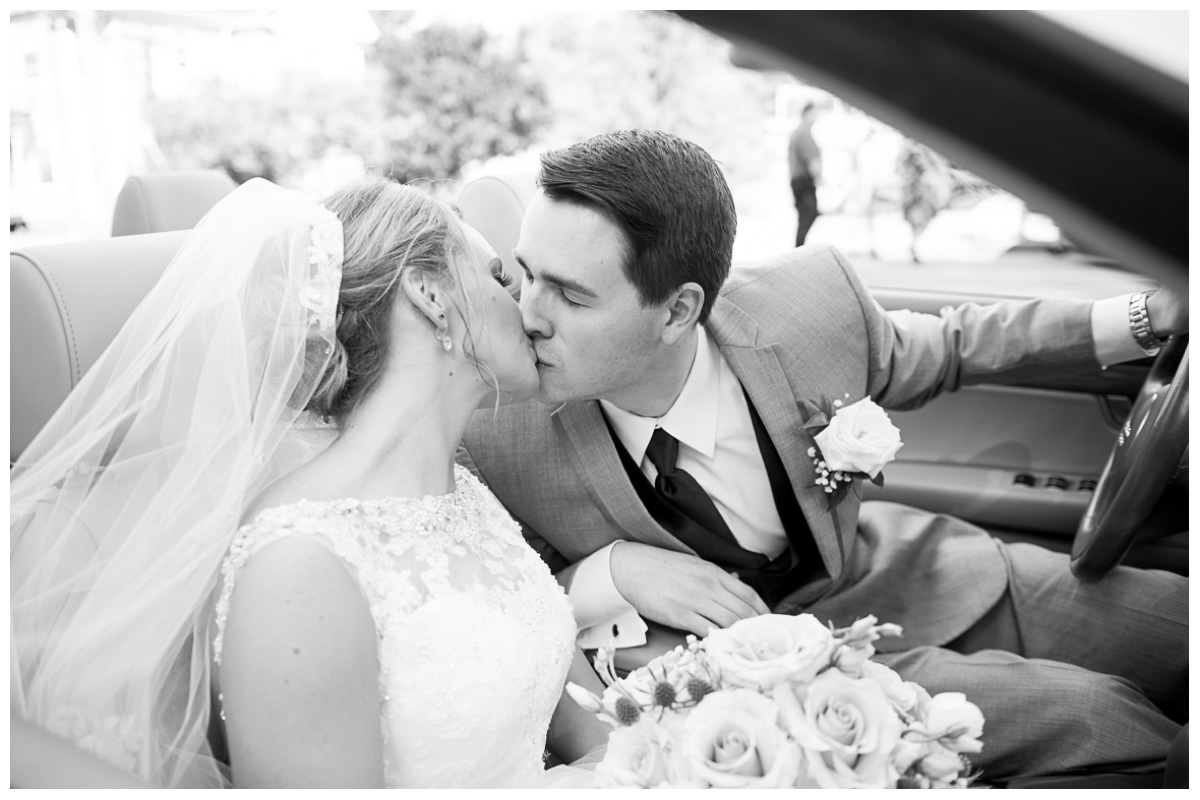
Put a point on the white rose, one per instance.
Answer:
(642, 756)
(903, 695)
(907, 753)
(940, 765)
(849, 725)
(859, 438)
(759, 652)
(956, 722)
(734, 742)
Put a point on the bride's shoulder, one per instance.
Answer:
(296, 611)
(299, 572)
(302, 491)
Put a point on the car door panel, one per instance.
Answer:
(1001, 456)
(1021, 459)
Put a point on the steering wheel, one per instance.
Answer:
(1142, 463)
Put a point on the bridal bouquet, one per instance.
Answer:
(780, 701)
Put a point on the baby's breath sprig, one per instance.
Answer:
(835, 483)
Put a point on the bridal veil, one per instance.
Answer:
(124, 505)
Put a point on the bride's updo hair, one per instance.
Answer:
(387, 228)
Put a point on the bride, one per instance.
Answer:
(242, 553)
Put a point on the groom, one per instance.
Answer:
(663, 472)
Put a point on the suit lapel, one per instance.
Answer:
(758, 368)
(594, 456)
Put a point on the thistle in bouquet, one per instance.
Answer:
(780, 701)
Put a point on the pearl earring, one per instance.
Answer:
(443, 335)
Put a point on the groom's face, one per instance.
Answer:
(592, 335)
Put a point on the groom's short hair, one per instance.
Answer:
(666, 194)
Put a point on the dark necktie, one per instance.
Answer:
(680, 491)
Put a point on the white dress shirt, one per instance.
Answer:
(717, 446)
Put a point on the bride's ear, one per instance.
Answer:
(426, 294)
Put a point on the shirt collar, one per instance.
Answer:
(692, 419)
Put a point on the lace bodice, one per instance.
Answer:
(474, 634)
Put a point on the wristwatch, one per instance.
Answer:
(1139, 324)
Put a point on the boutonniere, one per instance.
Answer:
(850, 441)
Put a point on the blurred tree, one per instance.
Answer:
(610, 71)
(435, 98)
(452, 95)
(266, 134)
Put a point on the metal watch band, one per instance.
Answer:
(1139, 324)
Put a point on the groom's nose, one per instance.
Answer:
(532, 319)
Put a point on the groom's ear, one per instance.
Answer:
(426, 294)
(683, 310)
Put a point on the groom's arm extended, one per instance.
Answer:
(914, 357)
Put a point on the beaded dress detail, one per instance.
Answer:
(475, 636)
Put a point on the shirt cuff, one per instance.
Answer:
(604, 617)
(1111, 333)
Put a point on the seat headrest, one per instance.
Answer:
(168, 201)
(66, 304)
(494, 206)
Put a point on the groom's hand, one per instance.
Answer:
(1167, 312)
(681, 590)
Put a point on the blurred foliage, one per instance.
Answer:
(450, 96)
(265, 133)
(608, 71)
(441, 96)
(436, 98)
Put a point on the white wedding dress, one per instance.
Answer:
(475, 636)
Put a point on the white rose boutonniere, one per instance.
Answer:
(850, 440)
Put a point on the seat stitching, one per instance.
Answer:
(60, 301)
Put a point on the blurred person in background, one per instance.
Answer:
(804, 166)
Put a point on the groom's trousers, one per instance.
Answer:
(1068, 675)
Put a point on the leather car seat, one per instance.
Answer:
(494, 206)
(66, 303)
(168, 201)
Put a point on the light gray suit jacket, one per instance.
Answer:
(794, 327)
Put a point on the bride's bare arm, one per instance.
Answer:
(300, 673)
(573, 731)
